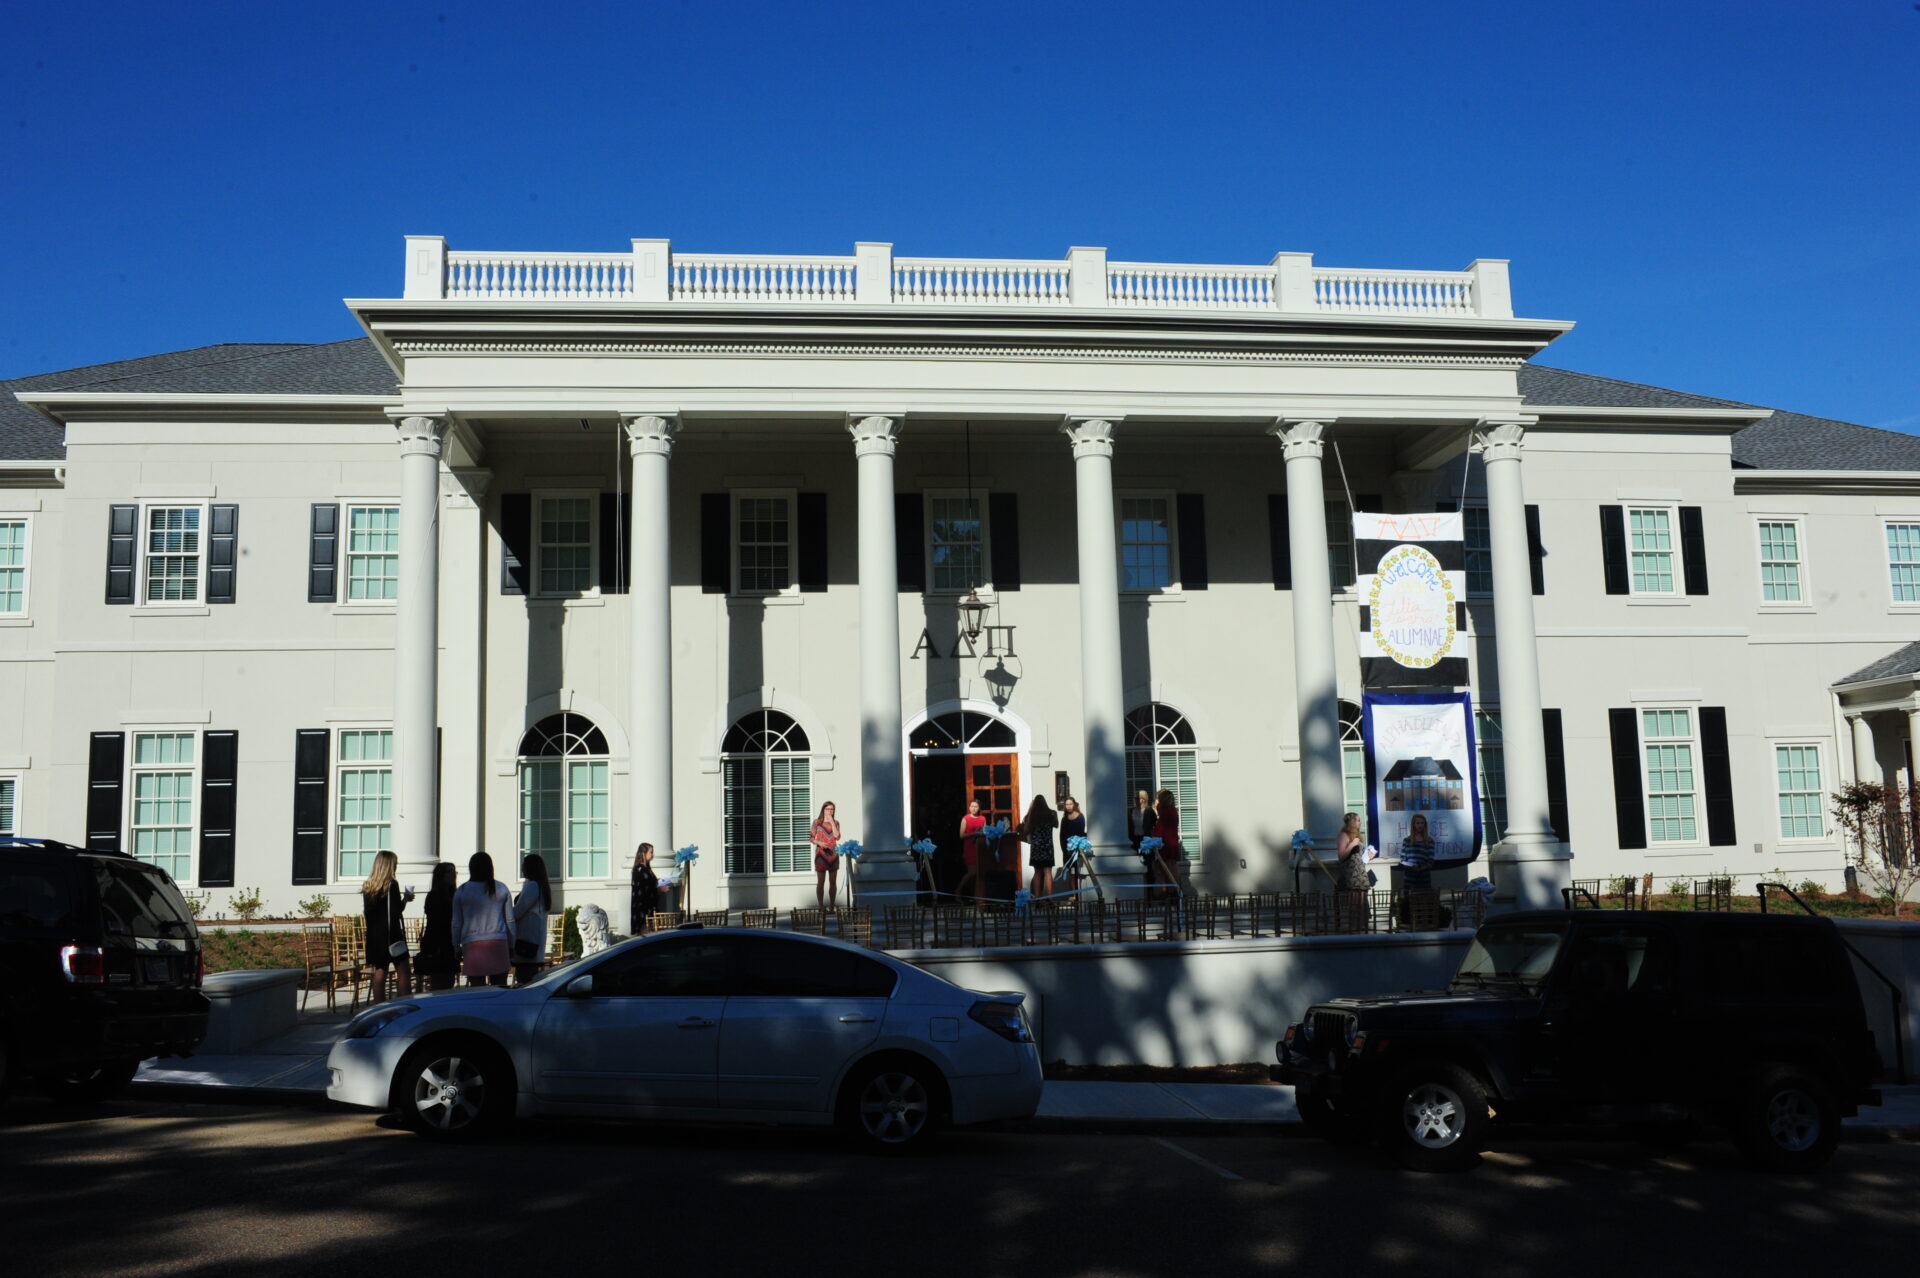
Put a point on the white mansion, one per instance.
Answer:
(575, 550)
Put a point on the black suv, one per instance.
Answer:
(1659, 1020)
(100, 968)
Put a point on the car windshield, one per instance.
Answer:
(1510, 955)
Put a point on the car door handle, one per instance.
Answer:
(697, 1022)
(856, 1020)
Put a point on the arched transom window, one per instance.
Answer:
(766, 776)
(563, 798)
(1162, 754)
(963, 730)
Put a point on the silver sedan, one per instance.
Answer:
(701, 1024)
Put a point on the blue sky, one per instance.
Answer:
(1726, 197)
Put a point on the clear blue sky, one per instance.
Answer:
(1723, 195)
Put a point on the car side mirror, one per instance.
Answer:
(580, 987)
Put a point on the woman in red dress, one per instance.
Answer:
(971, 847)
(825, 837)
(1166, 828)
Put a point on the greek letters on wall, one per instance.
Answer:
(992, 641)
(1420, 771)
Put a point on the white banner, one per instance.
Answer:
(1420, 761)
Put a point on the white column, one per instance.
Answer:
(1866, 762)
(1913, 751)
(1316, 690)
(883, 822)
(416, 649)
(1529, 865)
(650, 637)
(1103, 707)
(463, 612)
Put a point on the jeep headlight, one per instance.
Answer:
(1306, 1029)
(1352, 1033)
(370, 1022)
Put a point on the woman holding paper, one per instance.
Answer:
(1351, 850)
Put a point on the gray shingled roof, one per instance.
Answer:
(1902, 661)
(1785, 441)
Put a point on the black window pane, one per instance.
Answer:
(137, 901)
(674, 967)
(773, 967)
(35, 895)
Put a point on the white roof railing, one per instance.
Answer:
(872, 275)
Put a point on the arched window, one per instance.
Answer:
(1353, 759)
(1162, 755)
(766, 776)
(563, 798)
(963, 730)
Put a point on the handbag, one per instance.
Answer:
(396, 948)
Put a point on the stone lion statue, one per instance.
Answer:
(595, 932)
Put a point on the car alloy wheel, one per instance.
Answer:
(454, 1090)
(1434, 1116)
(1789, 1122)
(449, 1093)
(894, 1108)
(1793, 1120)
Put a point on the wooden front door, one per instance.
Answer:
(942, 786)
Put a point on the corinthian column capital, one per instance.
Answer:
(874, 433)
(1301, 436)
(1091, 436)
(1501, 438)
(423, 434)
(650, 432)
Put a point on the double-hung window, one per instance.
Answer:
(1493, 773)
(13, 566)
(763, 543)
(1780, 562)
(161, 777)
(1340, 569)
(364, 782)
(373, 554)
(1668, 744)
(956, 542)
(1797, 777)
(564, 544)
(1653, 556)
(173, 554)
(1903, 560)
(1147, 552)
(1477, 542)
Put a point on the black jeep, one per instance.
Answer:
(1657, 1020)
(100, 968)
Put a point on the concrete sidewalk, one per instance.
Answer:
(292, 1069)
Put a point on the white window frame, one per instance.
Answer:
(131, 799)
(980, 496)
(19, 781)
(142, 560)
(1887, 524)
(792, 499)
(592, 497)
(1694, 745)
(337, 791)
(1799, 524)
(1467, 549)
(1820, 791)
(564, 852)
(1120, 500)
(1672, 511)
(26, 565)
(346, 553)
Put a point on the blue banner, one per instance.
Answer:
(1423, 782)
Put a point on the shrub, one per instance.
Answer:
(571, 945)
(1812, 889)
(245, 904)
(1679, 888)
(316, 907)
(1620, 885)
(197, 903)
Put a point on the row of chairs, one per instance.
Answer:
(334, 954)
(855, 923)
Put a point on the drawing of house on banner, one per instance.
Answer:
(1425, 785)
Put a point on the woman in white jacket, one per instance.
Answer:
(482, 923)
(530, 910)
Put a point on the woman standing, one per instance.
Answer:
(1416, 868)
(971, 847)
(825, 837)
(438, 962)
(1038, 830)
(482, 922)
(530, 911)
(1351, 875)
(646, 889)
(1166, 828)
(381, 901)
(1140, 820)
(1073, 824)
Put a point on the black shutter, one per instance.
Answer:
(516, 548)
(223, 544)
(123, 533)
(323, 554)
(1003, 536)
(311, 759)
(909, 533)
(716, 543)
(1280, 541)
(616, 520)
(106, 770)
(1613, 551)
(1693, 550)
(810, 527)
(219, 766)
(1556, 773)
(1192, 513)
(1629, 803)
(1536, 554)
(1717, 769)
